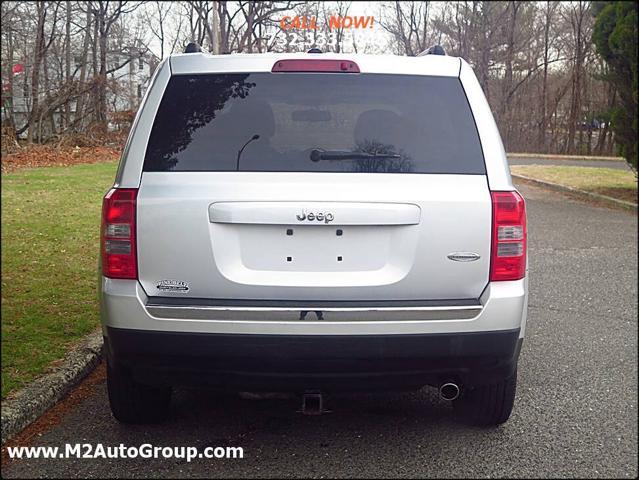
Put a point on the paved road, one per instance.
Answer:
(575, 415)
(570, 163)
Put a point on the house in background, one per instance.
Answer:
(130, 76)
(129, 72)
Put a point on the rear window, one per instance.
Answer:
(314, 122)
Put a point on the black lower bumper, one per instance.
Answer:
(291, 362)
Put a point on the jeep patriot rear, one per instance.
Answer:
(313, 222)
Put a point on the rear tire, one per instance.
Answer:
(134, 402)
(488, 405)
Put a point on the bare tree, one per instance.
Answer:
(106, 13)
(157, 19)
(577, 15)
(42, 43)
(340, 9)
(73, 60)
(548, 17)
(408, 23)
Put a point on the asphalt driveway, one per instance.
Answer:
(575, 415)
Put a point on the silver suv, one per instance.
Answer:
(313, 223)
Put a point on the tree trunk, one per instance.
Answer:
(79, 109)
(588, 122)
(249, 27)
(601, 141)
(577, 18)
(224, 31)
(161, 27)
(484, 54)
(215, 30)
(508, 76)
(9, 104)
(94, 61)
(67, 65)
(101, 115)
(46, 110)
(35, 73)
(543, 121)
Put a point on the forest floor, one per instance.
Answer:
(50, 155)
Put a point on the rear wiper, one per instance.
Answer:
(317, 155)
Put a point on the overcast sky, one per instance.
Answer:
(375, 39)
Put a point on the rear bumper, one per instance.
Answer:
(301, 362)
(502, 306)
(267, 345)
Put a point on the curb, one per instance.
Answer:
(27, 404)
(550, 156)
(562, 188)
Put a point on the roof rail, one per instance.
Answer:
(192, 47)
(433, 50)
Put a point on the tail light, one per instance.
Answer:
(508, 250)
(119, 259)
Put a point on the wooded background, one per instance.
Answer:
(77, 70)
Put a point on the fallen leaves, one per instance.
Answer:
(56, 156)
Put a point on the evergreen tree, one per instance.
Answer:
(615, 36)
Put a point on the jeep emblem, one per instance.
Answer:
(325, 217)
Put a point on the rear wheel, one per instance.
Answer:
(490, 404)
(134, 402)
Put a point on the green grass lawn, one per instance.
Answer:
(50, 246)
(616, 183)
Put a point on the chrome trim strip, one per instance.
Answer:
(289, 213)
(296, 314)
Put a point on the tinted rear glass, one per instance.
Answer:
(314, 123)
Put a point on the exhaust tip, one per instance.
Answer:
(449, 391)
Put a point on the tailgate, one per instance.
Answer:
(251, 236)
